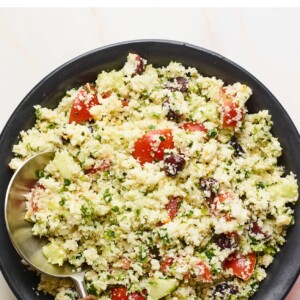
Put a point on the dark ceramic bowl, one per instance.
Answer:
(285, 268)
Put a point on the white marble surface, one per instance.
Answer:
(35, 41)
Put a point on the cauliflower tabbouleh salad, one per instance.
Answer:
(162, 183)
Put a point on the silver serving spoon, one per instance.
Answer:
(19, 230)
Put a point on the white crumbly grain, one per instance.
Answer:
(97, 204)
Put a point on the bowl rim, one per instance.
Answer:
(4, 271)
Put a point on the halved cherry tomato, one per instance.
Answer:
(173, 206)
(193, 126)
(152, 145)
(119, 293)
(166, 264)
(204, 272)
(86, 98)
(241, 266)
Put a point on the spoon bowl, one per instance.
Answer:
(28, 246)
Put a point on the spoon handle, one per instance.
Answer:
(80, 285)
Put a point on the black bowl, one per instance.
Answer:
(285, 268)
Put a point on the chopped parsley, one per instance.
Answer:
(260, 185)
(212, 133)
(110, 234)
(115, 209)
(40, 173)
(107, 196)
(62, 201)
(52, 125)
(67, 182)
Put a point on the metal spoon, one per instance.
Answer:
(28, 246)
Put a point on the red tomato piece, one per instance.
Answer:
(152, 145)
(193, 126)
(166, 264)
(86, 99)
(241, 266)
(222, 197)
(138, 296)
(219, 199)
(173, 206)
(203, 272)
(232, 113)
(119, 293)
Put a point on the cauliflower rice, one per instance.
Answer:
(162, 183)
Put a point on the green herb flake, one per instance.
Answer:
(143, 254)
(107, 196)
(38, 114)
(40, 173)
(87, 209)
(162, 138)
(247, 174)
(92, 290)
(52, 125)
(209, 254)
(71, 296)
(190, 144)
(164, 236)
(260, 185)
(98, 138)
(212, 133)
(62, 201)
(110, 234)
(67, 182)
(188, 214)
(138, 212)
(115, 209)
